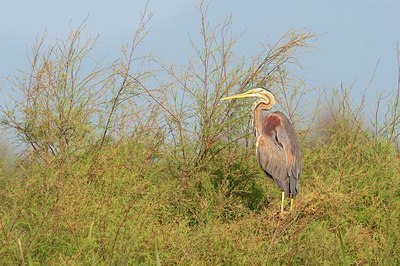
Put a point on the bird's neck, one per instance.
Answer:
(257, 117)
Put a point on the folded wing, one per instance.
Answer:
(278, 152)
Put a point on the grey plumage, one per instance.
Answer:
(278, 152)
(277, 146)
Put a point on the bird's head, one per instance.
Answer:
(265, 96)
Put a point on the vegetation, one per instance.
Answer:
(138, 162)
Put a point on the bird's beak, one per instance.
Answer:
(249, 93)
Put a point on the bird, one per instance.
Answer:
(277, 146)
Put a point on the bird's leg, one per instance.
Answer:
(283, 199)
(291, 203)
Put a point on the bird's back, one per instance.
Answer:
(278, 151)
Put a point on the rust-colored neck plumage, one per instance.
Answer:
(257, 115)
(257, 112)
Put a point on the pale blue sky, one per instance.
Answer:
(354, 34)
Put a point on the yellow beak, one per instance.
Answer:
(246, 94)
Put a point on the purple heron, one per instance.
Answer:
(277, 146)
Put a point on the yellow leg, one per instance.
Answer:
(291, 203)
(283, 199)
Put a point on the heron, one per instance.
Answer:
(277, 147)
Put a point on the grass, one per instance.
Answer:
(115, 171)
(129, 210)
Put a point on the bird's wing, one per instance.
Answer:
(273, 161)
(278, 152)
(287, 136)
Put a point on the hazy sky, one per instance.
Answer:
(355, 34)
